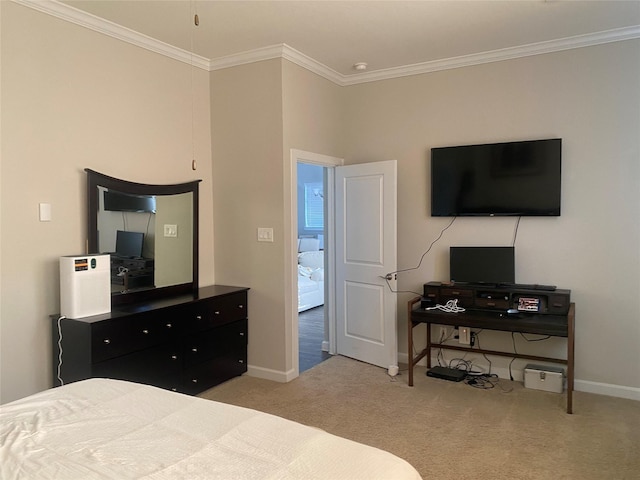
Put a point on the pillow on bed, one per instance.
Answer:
(311, 259)
(308, 244)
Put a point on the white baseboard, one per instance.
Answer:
(269, 374)
(619, 391)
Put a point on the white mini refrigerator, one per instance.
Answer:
(85, 285)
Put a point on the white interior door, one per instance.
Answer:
(365, 243)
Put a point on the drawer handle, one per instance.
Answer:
(169, 325)
(106, 341)
(240, 306)
(198, 317)
(174, 357)
(240, 361)
(216, 312)
(145, 331)
(194, 349)
(242, 334)
(194, 380)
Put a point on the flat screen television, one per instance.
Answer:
(123, 202)
(482, 265)
(129, 244)
(513, 178)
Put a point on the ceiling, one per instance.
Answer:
(384, 34)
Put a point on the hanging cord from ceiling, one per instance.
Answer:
(196, 24)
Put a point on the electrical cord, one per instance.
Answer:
(386, 277)
(513, 341)
(59, 374)
(477, 335)
(515, 232)
(428, 249)
(484, 380)
(450, 307)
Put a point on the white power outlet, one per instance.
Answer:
(464, 335)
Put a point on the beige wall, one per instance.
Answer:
(71, 99)
(260, 112)
(590, 98)
(246, 121)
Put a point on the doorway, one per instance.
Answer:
(317, 321)
(311, 226)
(364, 206)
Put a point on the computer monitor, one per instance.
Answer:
(129, 244)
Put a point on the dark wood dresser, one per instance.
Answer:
(186, 343)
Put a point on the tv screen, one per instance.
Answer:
(123, 202)
(482, 265)
(129, 244)
(514, 178)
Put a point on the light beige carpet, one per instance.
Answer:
(450, 430)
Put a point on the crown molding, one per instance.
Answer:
(568, 43)
(97, 24)
(84, 19)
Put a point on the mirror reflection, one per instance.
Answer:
(149, 237)
(151, 233)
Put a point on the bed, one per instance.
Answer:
(112, 429)
(310, 275)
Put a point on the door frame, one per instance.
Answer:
(291, 309)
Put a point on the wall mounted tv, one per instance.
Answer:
(514, 178)
(124, 202)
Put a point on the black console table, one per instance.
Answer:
(532, 323)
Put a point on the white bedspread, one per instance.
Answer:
(98, 428)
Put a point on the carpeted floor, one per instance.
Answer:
(451, 430)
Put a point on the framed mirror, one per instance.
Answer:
(151, 233)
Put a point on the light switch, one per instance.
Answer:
(45, 212)
(265, 234)
(170, 230)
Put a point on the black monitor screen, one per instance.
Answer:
(129, 244)
(482, 265)
(123, 202)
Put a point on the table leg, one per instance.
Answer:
(428, 345)
(570, 356)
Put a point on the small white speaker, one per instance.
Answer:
(85, 285)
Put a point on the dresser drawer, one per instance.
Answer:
(118, 337)
(230, 339)
(154, 366)
(463, 295)
(206, 375)
(497, 303)
(217, 311)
